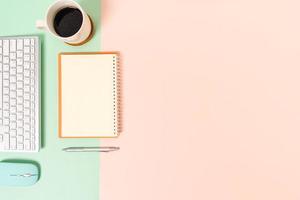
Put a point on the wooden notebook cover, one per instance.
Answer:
(88, 99)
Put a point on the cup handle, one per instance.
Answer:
(40, 24)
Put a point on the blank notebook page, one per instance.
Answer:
(88, 95)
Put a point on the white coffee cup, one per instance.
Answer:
(78, 38)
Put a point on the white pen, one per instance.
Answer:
(91, 149)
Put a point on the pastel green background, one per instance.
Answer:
(64, 176)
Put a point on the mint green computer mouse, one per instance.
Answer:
(18, 174)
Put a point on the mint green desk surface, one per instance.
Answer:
(64, 176)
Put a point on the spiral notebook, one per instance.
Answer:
(88, 95)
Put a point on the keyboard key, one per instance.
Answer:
(5, 47)
(27, 88)
(20, 138)
(5, 98)
(19, 54)
(20, 71)
(26, 73)
(6, 106)
(20, 44)
(26, 134)
(20, 146)
(13, 85)
(5, 90)
(5, 76)
(6, 120)
(26, 104)
(13, 71)
(19, 77)
(27, 119)
(26, 65)
(26, 58)
(13, 56)
(13, 63)
(26, 127)
(26, 96)
(26, 81)
(20, 100)
(13, 143)
(20, 108)
(20, 124)
(26, 50)
(13, 109)
(6, 82)
(20, 93)
(26, 112)
(32, 144)
(13, 44)
(20, 116)
(27, 144)
(6, 141)
(13, 117)
(13, 79)
(6, 129)
(20, 131)
(13, 94)
(32, 42)
(5, 60)
(13, 125)
(6, 114)
(13, 132)
(5, 67)
(20, 85)
(26, 42)
(13, 102)
(19, 61)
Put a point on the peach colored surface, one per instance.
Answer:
(211, 101)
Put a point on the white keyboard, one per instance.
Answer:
(19, 94)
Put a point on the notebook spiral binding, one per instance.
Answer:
(116, 94)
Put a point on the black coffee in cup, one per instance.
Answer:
(67, 22)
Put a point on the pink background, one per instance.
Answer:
(211, 100)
